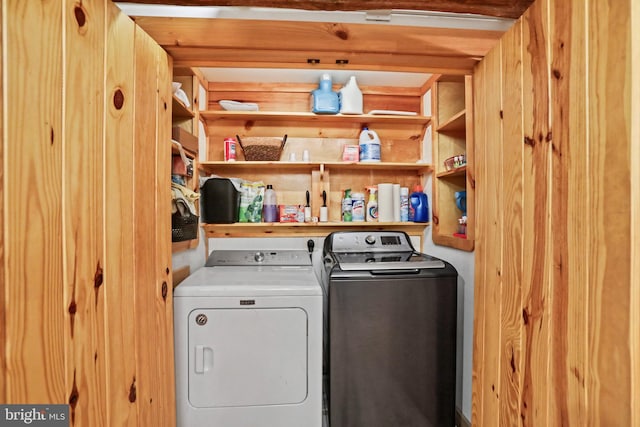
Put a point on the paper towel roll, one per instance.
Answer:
(385, 202)
(396, 202)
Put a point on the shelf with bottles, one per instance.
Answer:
(452, 139)
(322, 139)
(311, 229)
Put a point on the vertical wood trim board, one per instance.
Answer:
(635, 210)
(570, 194)
(120, 256)
(609, 303)
(3, 209)
(33, 305)
(478, 378)
(84, 256)
(557, 316)
(164, 286)
(82, 211)
(512, 263)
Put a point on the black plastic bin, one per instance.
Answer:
(220, 201)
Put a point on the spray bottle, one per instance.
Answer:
(372, 205)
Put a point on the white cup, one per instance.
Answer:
(292, 157)
(305, 156)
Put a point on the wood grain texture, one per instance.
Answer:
(145, 227)
(163, 302)
(119, 270)
(479, 307)
(493, 209)
(82, 212)
(574, 215)
(571, 225)
(609, 302)
(70, 276)
(502, 8)
(32, 199)
(635, 213)
(3, 270)
(537, 216)
(512, 262)
(289, 44)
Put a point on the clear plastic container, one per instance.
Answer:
(270, 209)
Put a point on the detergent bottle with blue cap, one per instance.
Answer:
(324, 100)
(419, 205)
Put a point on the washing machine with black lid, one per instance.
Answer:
(390, 332)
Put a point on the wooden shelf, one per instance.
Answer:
(299, 229)
(212, 116)
(180, 111)
(453, 242)
(454, 172)
(457, 123)
(245, 166)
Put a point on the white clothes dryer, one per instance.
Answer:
(248, 342)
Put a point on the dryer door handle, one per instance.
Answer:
(204, 359)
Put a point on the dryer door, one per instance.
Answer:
(247, 357)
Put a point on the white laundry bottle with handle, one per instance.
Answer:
(369, 146)
(350, 97)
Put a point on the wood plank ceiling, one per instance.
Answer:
(209, 42)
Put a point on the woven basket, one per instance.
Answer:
(262, 148)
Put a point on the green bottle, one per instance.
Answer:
(347, 206)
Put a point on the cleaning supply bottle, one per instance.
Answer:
(420, 205)
(347, 206)
(359, 208)
(324, 100)
(369, 146)
(404, 204)
(270, 209)
(372, 205)
(350, 97)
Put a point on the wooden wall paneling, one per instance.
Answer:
(163, 307)
(571, 223)
(145, 227)
(635, 213)
(32, 200)
(83, 232)
(120, 261)
(512, 149)
(494, 212)
(3, 257)
(471, 162)
(479, 307)
(609, 121)
(537, 213)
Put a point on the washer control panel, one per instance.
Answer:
(370, 241)
(258, 257)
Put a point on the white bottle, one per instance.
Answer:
(350, 97)
(369, 146)
(358, 209)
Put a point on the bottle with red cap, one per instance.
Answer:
(419, 205)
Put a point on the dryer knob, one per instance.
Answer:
(259, 256)
(370, 239)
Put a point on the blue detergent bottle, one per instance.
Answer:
(324, 100)
(419, 204)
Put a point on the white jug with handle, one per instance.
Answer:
(350, 97)
(369, 146)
